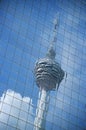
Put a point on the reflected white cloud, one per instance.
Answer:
(15, 110)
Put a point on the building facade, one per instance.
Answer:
(26, 30)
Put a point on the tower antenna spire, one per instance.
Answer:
(56, 23)
(52, 49)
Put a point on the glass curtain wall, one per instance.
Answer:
(26, 30)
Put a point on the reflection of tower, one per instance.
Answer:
(48, 75)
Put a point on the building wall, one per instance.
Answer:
(26, 29)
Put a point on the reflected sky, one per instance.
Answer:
(15, 110)
(25, 33)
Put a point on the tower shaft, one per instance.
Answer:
(42, 108)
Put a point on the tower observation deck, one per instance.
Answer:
(48, 76)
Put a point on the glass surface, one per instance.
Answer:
(26, 30)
